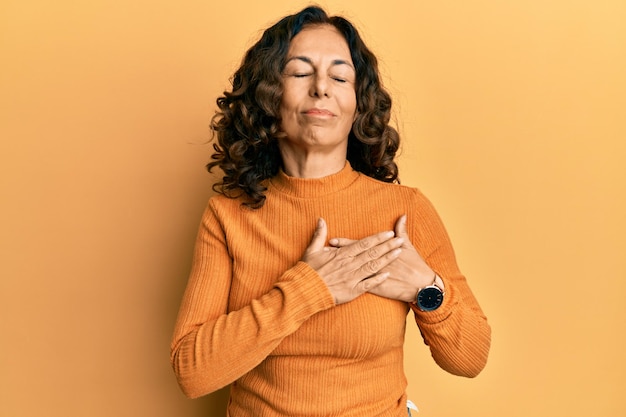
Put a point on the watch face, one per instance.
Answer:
(429, 298)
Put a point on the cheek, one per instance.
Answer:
(287, 112)
(287, 103)
(284, 108)
(348, 99)
(348, 105)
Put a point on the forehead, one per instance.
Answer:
(319, 42)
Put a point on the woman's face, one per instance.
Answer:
(318, 105)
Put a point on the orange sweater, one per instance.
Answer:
(256, 317)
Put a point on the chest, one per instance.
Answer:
(264, 246)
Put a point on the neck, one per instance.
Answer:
(312, 164)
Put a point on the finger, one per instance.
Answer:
(319, 237)
(380, 262)
(400, 227)
(366, 243)
(339, 242)
(381, 250)
(372, 282)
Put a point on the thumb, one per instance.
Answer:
(319, 237)
(400, 227)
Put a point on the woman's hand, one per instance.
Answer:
(407, 274)
(355, 267)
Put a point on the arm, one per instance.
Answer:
(457, 332)
(212, 347)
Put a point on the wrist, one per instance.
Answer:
(439, 283)
(430, 297)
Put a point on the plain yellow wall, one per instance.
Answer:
(513, 115)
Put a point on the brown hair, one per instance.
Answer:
(247, 123)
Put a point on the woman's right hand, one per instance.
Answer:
(351, 270)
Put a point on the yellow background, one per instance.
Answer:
(513, 115)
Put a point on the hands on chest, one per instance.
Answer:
(386, 264)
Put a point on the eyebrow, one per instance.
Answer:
(308, 61)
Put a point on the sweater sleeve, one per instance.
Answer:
(457, 333)
(213, 347)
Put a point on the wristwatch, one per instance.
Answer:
(431, 297)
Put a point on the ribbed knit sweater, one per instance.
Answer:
(254, 316)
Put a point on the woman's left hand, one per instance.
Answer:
(407, 274)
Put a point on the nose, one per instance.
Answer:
(320, 86)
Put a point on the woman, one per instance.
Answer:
(300, 325)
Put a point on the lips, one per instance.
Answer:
(318, 112)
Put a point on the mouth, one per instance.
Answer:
(319, 112)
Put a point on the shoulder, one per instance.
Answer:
(412, 195)
(424, 220)
(220, 200)
(222, 207)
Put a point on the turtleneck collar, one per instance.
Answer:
(314, 187)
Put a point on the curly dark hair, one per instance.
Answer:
(248, 123)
